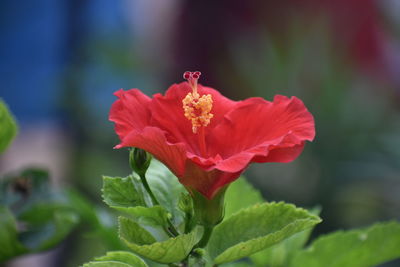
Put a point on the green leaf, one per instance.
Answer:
(121, 257)
(281, 254)
(240, 194)
(356, 248)
(8, 127)
(122, 192)
(166, 188)
(127, 195)
(156, 216)
(143, 243)
(238, 264)
(9, 244)
(107, 264)
(256, 228)
(133, 232)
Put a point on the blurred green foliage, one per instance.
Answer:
(34, 217)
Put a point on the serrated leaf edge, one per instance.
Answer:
(311, 218)
(118, 252)
(94, 262)
(227, 251)
(280, 203)
(156, 242)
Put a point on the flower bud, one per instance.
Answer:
(139, 160)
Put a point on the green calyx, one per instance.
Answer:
(208, 212)
(139, 160)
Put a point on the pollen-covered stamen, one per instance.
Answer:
(196, 108)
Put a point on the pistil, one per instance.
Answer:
(202, 142)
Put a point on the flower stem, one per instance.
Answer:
(147, 187)
(206, 236)
(171, 230)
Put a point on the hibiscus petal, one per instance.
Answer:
(207, 183)
(262, 131)
(167, 114)
(153, 140)
(130, 112)
(281, 154)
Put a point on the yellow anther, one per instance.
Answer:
(197, 109)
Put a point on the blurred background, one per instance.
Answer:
(61, 61)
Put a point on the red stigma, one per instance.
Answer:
(191, 76)
(187, 75)
(195, 75)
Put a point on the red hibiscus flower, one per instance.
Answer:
(206, 139)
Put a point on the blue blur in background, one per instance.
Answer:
(33, 56)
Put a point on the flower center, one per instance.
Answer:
(196, 108)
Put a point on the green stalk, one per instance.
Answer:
(206, 236)
(147, 187)
(171, 230)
